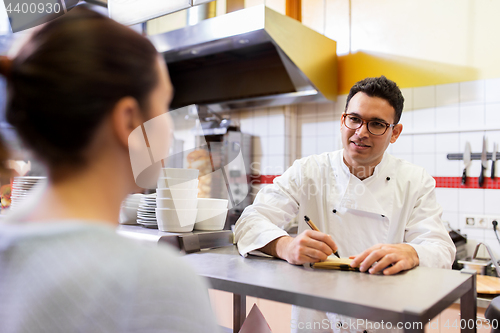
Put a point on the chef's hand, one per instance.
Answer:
(309, 246)
(401, 256)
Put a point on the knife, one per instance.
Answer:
(493, 159)
(467, 162)
(484, 163)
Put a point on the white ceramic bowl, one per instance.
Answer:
(128, 215)
(180, 183)
(209, 203)
(180, 173)
(176, 203)
(210, 219)
(133, 200)
(176, 220)
(175, 193)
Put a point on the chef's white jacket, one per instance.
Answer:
(397, 204)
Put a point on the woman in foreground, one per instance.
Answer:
(76, 90)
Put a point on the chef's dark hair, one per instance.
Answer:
(68, 77)
(380, 87)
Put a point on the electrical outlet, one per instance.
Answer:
(480, 221)
(470, 221)
(490, 222)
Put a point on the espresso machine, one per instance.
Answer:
(222, 154)
(230, 155)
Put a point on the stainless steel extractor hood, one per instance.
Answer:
(252, 57)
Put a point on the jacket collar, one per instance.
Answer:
(378, 168)
(357, 195)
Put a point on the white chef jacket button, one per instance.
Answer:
(334, 211)
(388, 178)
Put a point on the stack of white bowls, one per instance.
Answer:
(176, 199)
(128, 210)
(212, 214)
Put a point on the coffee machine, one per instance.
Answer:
(222, 153)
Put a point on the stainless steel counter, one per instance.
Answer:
(187, 242)
(417, 295)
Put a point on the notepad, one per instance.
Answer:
(343, 264)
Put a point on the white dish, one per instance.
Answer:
(133, 200)
(180, 173)
(175, 193)
(14, 192)
(171, 228)
(205, 214)
(176, 203)
(186, 184)
(148, 205)
(206, 226)
(214, 222)
(147, 219)
(29, 177)
(146, 213)
(176, 220)
(147, 224)
(132, 221)
(209, 203)
(21, 187)
(128, 215)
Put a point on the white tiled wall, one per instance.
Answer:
(270, 141)
(318, 128)
(439, 120)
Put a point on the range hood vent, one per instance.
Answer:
(249, 58)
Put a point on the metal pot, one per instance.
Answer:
(481, 265)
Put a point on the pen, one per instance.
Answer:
(314, 227)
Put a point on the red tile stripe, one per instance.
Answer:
(472, 182)
(442, 182)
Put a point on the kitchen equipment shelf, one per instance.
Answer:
(473, 156)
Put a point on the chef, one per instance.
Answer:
(369, 205)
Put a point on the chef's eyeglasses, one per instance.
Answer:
(375, 127)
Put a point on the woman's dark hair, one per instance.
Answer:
(67, 78)
(380, 87)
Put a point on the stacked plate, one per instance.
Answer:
(128, 210)
(176, 200)
(146, 215)
(21, 187)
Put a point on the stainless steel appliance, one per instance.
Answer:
(483, 266)
(221, 153)
(251, 57)
(230, 158)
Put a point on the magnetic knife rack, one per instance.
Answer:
(473, 156)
